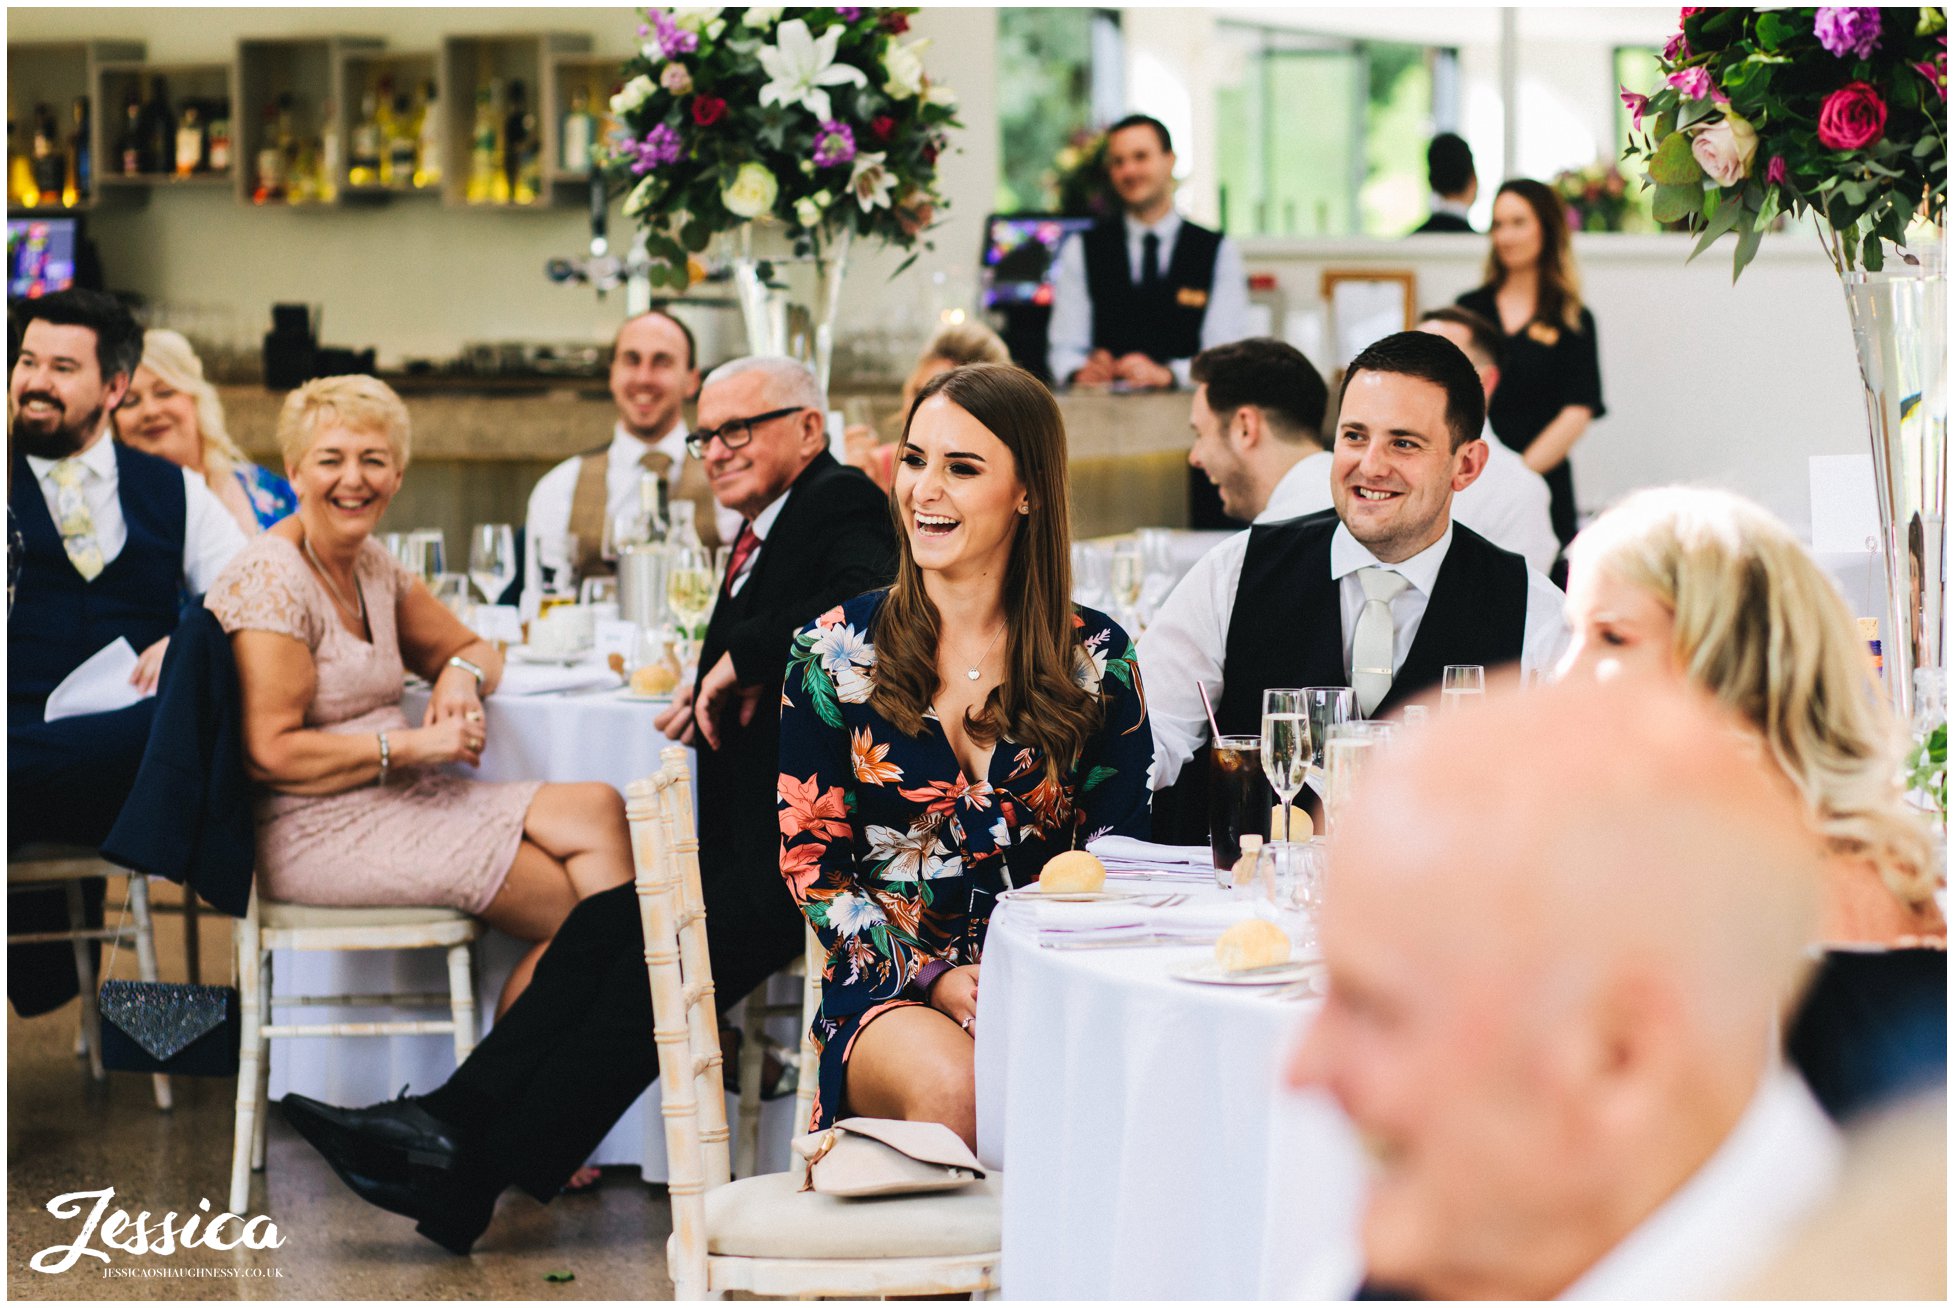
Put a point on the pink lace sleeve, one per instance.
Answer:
(258, 592)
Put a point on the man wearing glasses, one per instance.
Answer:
(572, 1053)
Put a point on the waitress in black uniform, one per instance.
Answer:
(1550, 380)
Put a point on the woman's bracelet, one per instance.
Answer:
(386, 760)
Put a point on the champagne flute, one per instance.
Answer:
(1285, 747)
(1345, 755)
(689, 591)
(1328, 706)
(492, 559)
(1128, 575)
(1464, 683)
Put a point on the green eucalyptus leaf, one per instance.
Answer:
(1729, 209)
(1673, 164)
(1665, 123)
(1746, 251)
(1870, 253)
(1675, 203)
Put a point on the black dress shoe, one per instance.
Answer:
(382, 1141)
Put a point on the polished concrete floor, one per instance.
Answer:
(68, 1134)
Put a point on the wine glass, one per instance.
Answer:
(492, 559)
(1090, 564)
(1285, 746)
(556, 564)
(1156, 546)
(1128, 575)
(1328, 706)
(1345, 755)
(429, 551)
(451, 588)
(689, 591)
(1464, 683)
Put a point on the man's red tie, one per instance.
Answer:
(743, 548)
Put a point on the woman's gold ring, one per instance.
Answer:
(473, 715)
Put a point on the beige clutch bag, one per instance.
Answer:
(862, 1156)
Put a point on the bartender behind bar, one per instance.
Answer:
(1137, 297)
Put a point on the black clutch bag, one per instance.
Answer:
(169, 1027)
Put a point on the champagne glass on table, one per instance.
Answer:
(556, 565)
(689, 591)
(1285, 748)
(1464, 684)
(1328, 706)
(429, 550)
(1345, 755)
(1128, 577)
(492, 559)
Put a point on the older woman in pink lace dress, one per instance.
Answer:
(355, 806)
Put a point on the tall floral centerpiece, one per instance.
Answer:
(1840, 113)
(822, 124)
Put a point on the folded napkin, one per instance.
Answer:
(1216, 915)
(99, 685)
(543, 679)
(1124, 853)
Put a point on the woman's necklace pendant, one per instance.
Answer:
(973, 674)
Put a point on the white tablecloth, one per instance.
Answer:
(588, 737)
(1148, 1149)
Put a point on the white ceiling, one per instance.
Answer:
(1465, 24)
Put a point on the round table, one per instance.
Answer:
(584, 736)
(1148, 1148)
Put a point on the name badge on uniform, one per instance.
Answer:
(1191, 297)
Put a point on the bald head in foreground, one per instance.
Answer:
(1561, 931)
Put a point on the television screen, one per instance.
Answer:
(1021, 254)
(40, 256)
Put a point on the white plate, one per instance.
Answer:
(1034, 895)
(636, 698)
(524, 654)
(1210, 973)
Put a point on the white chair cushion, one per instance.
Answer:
(768, 1217)
(287, 917)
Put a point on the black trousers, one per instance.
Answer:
(572, 1053)
(66, 783)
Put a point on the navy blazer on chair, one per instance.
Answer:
(189, 817)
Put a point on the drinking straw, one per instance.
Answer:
(1209, 705)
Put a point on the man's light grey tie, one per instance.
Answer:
(1371, 665)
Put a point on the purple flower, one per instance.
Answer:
(849, 13)
(834, 144)
(1848, 29)
(643, 30)
(1635, 104)
(660, 146)
(1774, 171)
(1696, 84)
(673, 39)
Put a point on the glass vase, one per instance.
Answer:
(777, 322)
(1899, 325)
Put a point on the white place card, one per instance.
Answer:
(617, 636)
(1845, 507)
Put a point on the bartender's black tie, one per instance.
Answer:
(1150, 259)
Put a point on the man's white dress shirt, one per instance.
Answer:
(210, 534)
(1186, 645)
(1507, 504)
(1723, 1226)
(549, 503)
(1071, 330)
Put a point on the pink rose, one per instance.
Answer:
(1726, 149)
(675, 79)
(1852, 118)
(1774, 172)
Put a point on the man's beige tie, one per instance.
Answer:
(73, 520)
(656, 462)
(1371, 664)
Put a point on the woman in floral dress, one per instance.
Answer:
(941, 740)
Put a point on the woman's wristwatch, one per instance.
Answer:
(473, 668)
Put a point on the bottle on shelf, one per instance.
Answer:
(285, 132)
(159, 130)
(326, 183)
(190, 140)
(402, 136)
(383, 132)
(427, 149)
(50, 166)
(484, 153)
(22, 192)
(220, 137)
(81, 157)
(363, 153)
(270, 162)
(579, 131)
(128, 146)
(522, 147)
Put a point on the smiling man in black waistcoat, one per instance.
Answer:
(1379, 594)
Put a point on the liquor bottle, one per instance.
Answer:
(21, 189)
(579, 130)
(190, 140)
(270, 162)
(402, 138)
(483, 155)
(519, 146)
(81, 155)
(383, 132)
(128, 146)
(285, 134)
(427, 150)
(45, 151)
(326, 183)
(159, 130)
(363, 158)
(220, 138)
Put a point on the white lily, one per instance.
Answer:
(634, 93)
(697, 18)
(801, 66)
(905, 68)
(763, 16)
(871, 182)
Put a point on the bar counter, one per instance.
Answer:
(479, 446)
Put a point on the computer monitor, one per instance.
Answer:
(41, 255)
(1020, 256)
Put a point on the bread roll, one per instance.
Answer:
(654, 679)
(1073, 872)
(1300, 827)
(1257, 942)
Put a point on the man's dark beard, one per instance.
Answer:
(57, 442)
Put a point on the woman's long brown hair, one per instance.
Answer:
(1558, 303)
(1038, 703)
